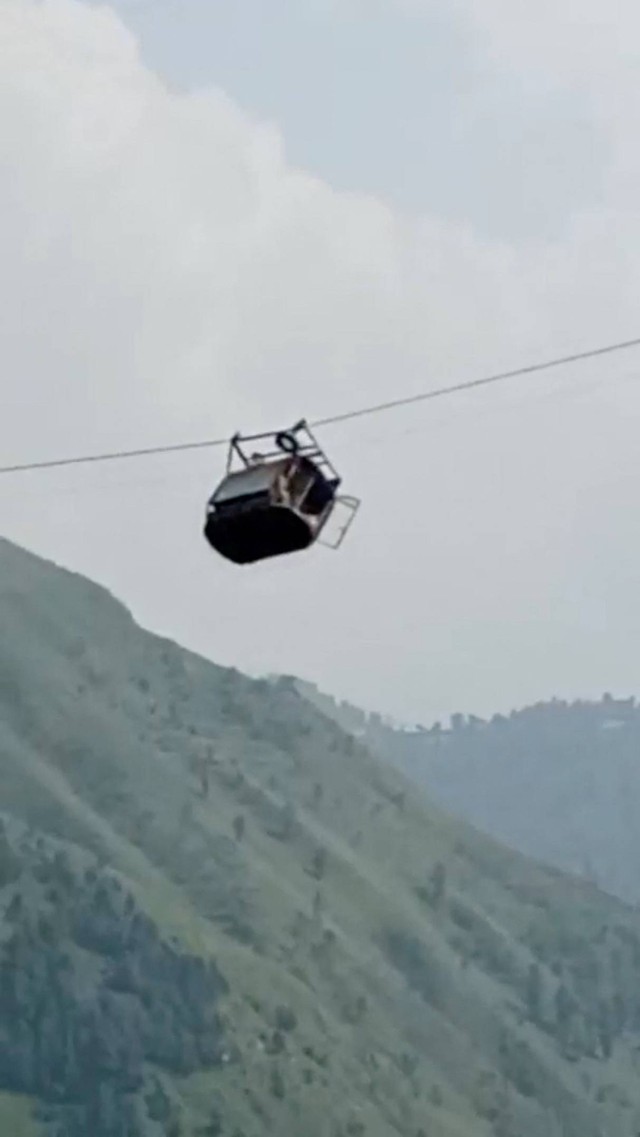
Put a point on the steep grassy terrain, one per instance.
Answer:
(221, 916)
(558, 781)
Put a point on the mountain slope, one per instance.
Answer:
(222, 916)
(557, 781)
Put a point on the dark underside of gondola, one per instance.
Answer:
(245, 536)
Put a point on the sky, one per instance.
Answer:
(218, 217)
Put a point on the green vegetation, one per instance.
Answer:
(558, 781)
(220, 916)
(16, 1118)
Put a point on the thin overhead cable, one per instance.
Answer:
(472, 384)
(114, 456)
(376, 408)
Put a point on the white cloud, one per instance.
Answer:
(589, 49)
(574, 39)
(566, 37)
(158, 235)
(166, 273)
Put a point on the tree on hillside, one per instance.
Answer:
(534, 993)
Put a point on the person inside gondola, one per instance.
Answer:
(320, 492)
(283, 485)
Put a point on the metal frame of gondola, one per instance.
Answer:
(298, 440)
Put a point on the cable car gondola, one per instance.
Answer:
(275, 503)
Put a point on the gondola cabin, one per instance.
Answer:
(272, 504)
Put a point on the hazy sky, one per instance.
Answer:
(220, 215)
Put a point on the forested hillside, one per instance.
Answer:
(222, 916)
(559, 781)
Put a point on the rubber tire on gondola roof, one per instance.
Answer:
(286, 441)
